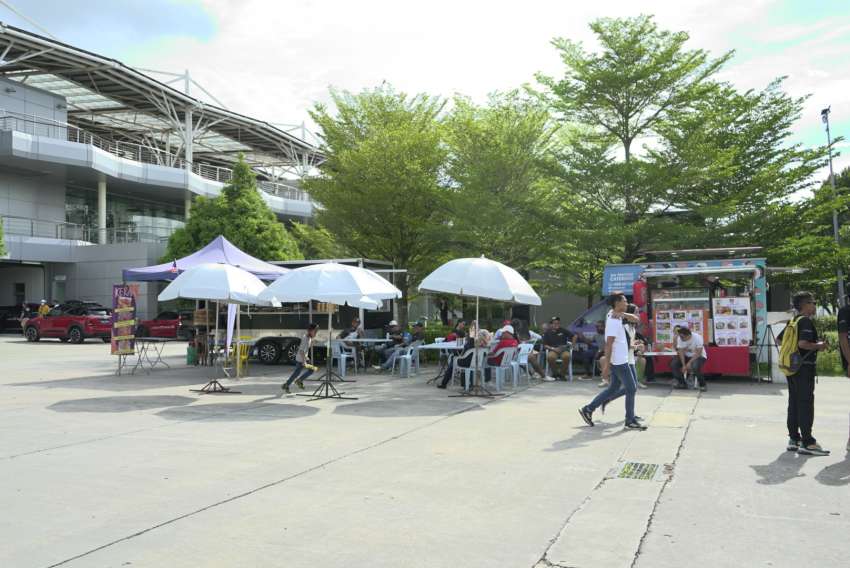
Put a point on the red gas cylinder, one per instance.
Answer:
(639, 293)
(644, 319)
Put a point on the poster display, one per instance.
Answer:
(123, 320)
(732, 321)
(667, 320)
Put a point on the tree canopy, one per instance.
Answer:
(240, 214)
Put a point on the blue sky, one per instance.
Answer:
(275, 59)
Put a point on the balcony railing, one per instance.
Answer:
(137, 152)
(26, 227)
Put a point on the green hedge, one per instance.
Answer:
(829, 361)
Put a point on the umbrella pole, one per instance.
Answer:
(214, 386)
(326, 388)
(477, 377)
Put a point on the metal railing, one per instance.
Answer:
(27, 227)
(137, 152)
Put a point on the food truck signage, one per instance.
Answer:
(620, 278)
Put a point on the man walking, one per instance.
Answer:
(617, 365)
(801, 385)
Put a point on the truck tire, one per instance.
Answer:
(31, 333)
(269, 352)
(75, 335)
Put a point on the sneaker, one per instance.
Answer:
(703, 388)
(285, 389)
(549, 379)
(441, 386)
(642, 385)
(635, 426)
(586, 415)
(584, 378)
(793, 445)
(813, 450)
(603, 384)
(300, 384)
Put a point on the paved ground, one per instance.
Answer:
(103, 471)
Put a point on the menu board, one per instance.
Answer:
(732, 321)
(667, 320)
(123, 320)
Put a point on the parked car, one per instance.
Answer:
(75, 324)
(167, 324)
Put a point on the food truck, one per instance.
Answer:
(722, 299)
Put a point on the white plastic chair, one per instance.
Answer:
(569, 365)
(408, 359)
(342, 356)
(469, 372)
(520, 363)
(505, 366)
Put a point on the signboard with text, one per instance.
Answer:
(123, 320)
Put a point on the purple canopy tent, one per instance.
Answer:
(220, 250)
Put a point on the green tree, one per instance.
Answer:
(317, 242)
(626, 93)
(2, 241)
(240, 214)
(379, 188)
(500, 158)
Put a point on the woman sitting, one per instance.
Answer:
(464, 360)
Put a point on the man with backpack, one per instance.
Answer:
(797, 359)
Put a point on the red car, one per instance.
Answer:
(74, 323)
(167, 324)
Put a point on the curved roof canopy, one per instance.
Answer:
(112, 100)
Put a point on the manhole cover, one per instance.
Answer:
(637, 470)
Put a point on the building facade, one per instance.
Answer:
(99, 164)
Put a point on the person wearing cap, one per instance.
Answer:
(407, 339)
(395, 338)
(507, 340)
(557, 342)
(43, 308)
(498, 334)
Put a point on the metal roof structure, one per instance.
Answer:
(111, 100)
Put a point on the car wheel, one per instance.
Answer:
(75, 334)
(269, 352)
(63, 339)
(289, 352)
(31, 333)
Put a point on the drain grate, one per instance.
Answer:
(637, 470)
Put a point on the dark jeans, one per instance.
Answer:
(622, 390)
(801, 405)
(586, 357)
(676, 367)
(621, 377)
(298, 368)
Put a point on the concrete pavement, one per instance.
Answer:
(135, 471)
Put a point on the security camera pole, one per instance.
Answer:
(824, 115)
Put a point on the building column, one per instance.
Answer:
(187, 205)
(188, 153)
(101, 209)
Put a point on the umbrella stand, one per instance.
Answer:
(214, 386)
(326, 388)
(477, 388)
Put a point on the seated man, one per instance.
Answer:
(408, 339)
(595, 348)
(690, 358)
(557, 342)
(506, 341)
(354, 331)
(395, 338)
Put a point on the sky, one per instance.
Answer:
(274, 59)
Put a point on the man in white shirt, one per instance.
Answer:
(617, 350)
(691, 356)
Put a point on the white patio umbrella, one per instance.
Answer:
(214, 282)
(333, 284)
(480, 278)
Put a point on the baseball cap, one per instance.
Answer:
(554, 318)
(508, 328)
(393, 322)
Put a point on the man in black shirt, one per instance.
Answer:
(801, 385)
(844, 343)
(557, 342)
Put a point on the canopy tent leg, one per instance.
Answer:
(326, 388)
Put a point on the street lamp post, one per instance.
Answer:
(824, 115)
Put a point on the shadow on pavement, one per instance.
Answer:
(119, 403)
(784, 468)
(835, 474)
(585, 436)
(401, 407)
(238, 412)
(140, 381)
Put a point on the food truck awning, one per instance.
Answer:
(694, 270)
